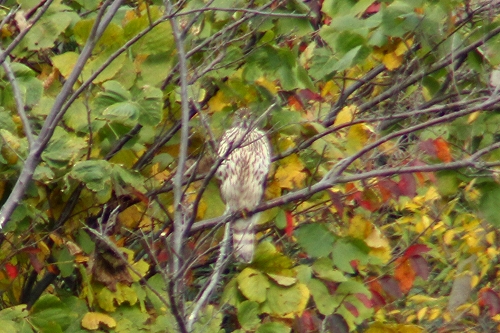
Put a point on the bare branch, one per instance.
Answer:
(206, 291)
(243, 10)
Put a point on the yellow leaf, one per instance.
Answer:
(492, 252)
(92, 320)
(448, 236)
(329, 88)
(403, 47)
(285, 143)
(490, 237)
(473, 116)
(141, 267)
(421, 313)
(357, 137)
(378, 327)
(273, 190)
(474, 281)
(434, 313)
(269, 85)
(218, 102)
(133, 216)
(345, 115)
(290, 173)
(392, 61)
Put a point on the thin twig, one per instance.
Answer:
(18, 98)
(214, 278)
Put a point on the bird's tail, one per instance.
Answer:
(244, 238)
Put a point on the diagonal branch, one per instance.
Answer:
(106, 13)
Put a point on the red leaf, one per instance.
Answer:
(336, 323)
(37, 265)
(337, 202)
(365, 300)
(354, 264)
(307, 323)
(308, 95)
(12, 271)
(162, 256)
(420, 175)
(442, 150)
(428, 147)
(141, 196)
(407, 185)
(33, 250)
(373, 8)
(377, 300)
(289, 224)
(389, 189)
(369, 200)
(391, 287)
(415, 250)
(352, 309)
(490, 299)
(420, 266)
(352, 192)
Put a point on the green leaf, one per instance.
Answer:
(85, 242)
(447, 183)
(347, 250)
(126, 113)
(209, 321)
(64, 261)
(114, 93)
(489, 202)
(273, 327)
(109, 72)
(322, 298)
(349, 59)
(48, 28)
(158, 284)
(285, 301)
(248, 315)
(352, 287)
(50, 315)
(231, 294)
(253, 284)
(6, 121)
(65, 62)
(268, 260)
(63, 149)
(323, 268)
(315, 239)
(94, 174)
(154, 69)
(150, 100)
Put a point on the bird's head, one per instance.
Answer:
(243, 118)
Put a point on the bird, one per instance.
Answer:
(246, 158)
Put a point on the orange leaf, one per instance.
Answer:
(295, 103)
(405, 274)
(442, 150)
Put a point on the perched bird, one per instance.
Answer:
(243, 172)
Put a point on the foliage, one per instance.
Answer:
(380, 211)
